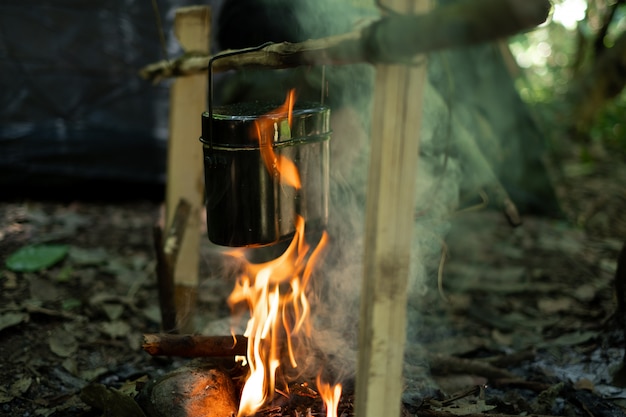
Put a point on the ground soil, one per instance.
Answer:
(542, 291)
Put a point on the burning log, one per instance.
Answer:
(394, 38)
(194, 346)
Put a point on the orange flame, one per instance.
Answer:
(266, 129)
(275, 292)
(330, 396)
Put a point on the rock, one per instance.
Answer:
(195, 390)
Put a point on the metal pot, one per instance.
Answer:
(246, 203)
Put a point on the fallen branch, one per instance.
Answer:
(394, 38)
(194, 346)
(442, 365)
(520, 383)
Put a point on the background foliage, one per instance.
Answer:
(553, 60)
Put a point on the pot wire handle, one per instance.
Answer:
(210, 80)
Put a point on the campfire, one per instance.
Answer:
(263, 203)
(276, 292)
(275, 295)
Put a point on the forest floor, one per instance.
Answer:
(536, 301)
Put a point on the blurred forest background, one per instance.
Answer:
(572, 72)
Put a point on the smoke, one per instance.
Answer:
(348, 91)
(451, 163)
(437, 193)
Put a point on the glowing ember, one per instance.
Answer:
(275, 292)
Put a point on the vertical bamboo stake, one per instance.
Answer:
(185, 179)
(388, 231)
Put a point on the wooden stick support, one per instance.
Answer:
(188, 98)
(388, 231)
(167, 249)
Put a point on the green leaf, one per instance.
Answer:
(36, 257)
(65, 274)
(71, 303)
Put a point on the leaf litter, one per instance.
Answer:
(70, 332)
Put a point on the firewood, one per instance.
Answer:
(194, 346)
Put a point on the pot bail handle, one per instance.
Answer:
(210, 80)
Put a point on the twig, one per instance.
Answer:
(442, 261)
(393, 38)
(31, 308)
(440, 365)
(511, 359)
(474, 390)
(520, 383)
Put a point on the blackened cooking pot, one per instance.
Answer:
(247, 204)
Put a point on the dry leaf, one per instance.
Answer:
(12, 319)
(16, 389)
(63, 343)
(115, 329)
(554, 305)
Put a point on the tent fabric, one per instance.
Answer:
(73, 109)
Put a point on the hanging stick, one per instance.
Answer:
(395, 37)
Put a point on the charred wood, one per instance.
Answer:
(194, 346)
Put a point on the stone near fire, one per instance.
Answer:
(194, 390)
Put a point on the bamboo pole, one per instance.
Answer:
(188, 100)
(388, 231)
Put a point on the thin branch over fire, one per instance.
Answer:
(392, 38)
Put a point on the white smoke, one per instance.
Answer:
(442, 174)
